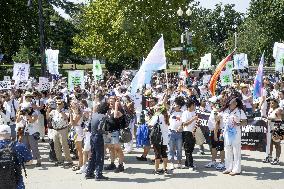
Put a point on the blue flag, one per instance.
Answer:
(258, 79)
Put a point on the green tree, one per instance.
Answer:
(261, 29)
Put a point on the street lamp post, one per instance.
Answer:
(184, 24)
(41, 36)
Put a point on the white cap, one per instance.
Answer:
(5, 129)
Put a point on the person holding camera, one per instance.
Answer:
(59, 122)
(26, 121)
(112, 139)
(273, 138)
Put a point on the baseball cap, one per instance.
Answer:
(5, 129)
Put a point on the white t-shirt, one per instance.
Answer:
(163, 126)
(175, 120)
(186, 116)
(30, 128)
(57, 119)
(227, 122)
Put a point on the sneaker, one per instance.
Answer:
(89, 176)
(179, 166)
(82, 170)
(158, 172)
(101, 178)
(275, 162)
(220, 166)
(211, 164)
(56, 164)
(68, 164)
(141, 158)
(119, 169)
(192, 167)
(268, 159)
(172, 166)
(110, 167)
(167, 172)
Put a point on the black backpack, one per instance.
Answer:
(156, 134)
(10, 169)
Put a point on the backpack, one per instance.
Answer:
(142, 135)
(156, 134)
(10, 169)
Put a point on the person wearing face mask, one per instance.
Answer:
(233, 117)
(59, 121)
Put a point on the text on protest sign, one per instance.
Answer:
(4, 85)
(76, 78)
(21, 72)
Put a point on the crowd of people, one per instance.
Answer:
(104, 119)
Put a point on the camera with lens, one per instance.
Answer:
(278, 130)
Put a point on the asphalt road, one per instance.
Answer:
(255, 174)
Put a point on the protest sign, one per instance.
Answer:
(7, 78)
(22, 85)
(254, 135)
(76, 78)
(4, 85)
(226, 78)
(205, 62)
(206, 79)
(278, 55)
(21, 72)
(52, 61)
(97, 68)
(44, 84)
(240, 61)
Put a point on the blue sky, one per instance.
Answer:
(240, 5)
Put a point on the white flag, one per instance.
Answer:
(21, 72)
(52, 61)
(156, 59)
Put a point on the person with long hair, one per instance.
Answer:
(233, 117)
(112, 140)
(76, 120)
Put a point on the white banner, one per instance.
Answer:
(21, 72)
(278, 55)
(4, 85)
(52, 61)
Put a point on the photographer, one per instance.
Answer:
(273, 138)
(3, 118)
(112, 139)
(26, 119)
(59, 122)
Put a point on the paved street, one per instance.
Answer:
(139, 175)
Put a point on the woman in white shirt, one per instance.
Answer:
(189, 119)
(233, 117)
(161, 119)
(175, 133)
(76, 120)
(274, 117)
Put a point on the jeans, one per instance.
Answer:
(96, 162)
(175, 145)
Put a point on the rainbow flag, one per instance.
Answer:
(220, 67)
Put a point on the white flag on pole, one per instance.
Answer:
(156, 60)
